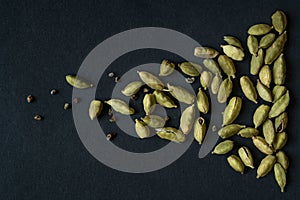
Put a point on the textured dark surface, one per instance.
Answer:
(43, 41)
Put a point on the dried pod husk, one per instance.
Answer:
(259, 29)
(280, 140)
(280, 105)
(233, 52)
(248, 132)
(279, 21)
(225, 90)
(265, 166)
(227, 65)
(280, 176)
(256, 62)
(170, 133)
(205, 52)
(212, 66)
(191, 69)
(205, 79)
(263, 91)
(232, 110)
(151, 80)
(181, 94)
(246, 156)
(149, 103)
(233, 41)
(260, 115)
(78, 82)
(275, 49)
(261, 144)
(164, 100)
(154, 121)
(248, 88)
(187, 119)
(132, 88)
(252, 44)
(279, 70)
(269, 131)
(199, 129)
(120, 106)
(278, 91)
(95, 109)
(202, 102)
(230, 130)
(141, 129)
(267, 40)
(265, 75)
(281, 122)
(282, 158)
(223, 147)
(166, 68)
(236, 163)
(215, 84)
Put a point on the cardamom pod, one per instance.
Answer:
(132, 88)
(275, 49)
(215, 84)
(269, 132)
(263, 91)
(187, 119)
(233, 52)
(246, 156)
(260, 115)
(232, 110)
(265, 166)
(230, 130)
(256, 62)
(236, 163)
(279, 70)
(154, 121)
(149, 103)
(190, 69)
(166, 68)
(281, 122)
(223, 147)
(205, 79)
(279, 21)
(95, 109)
(212, 66)
(120, 106)
(199, 129)
(78, 82)
(261, 144)
(265, 75)
(278, 91)
(259, 29)
(151, 80)
(248, 132)
(164, 100)
(205, 52)
(225, 90)
(280, 105)
(227, 65)
(202, 102)
(280, 176)
(181, 94)
(282, 158)
(280, 140)
(252, 44)
(170, 133)
(248, 88)
(141, 129)
(266, 40)
(233, 41)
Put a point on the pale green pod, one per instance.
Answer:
(281, 122)
(202, 102)
(248, 132)
(233, 52)
(280, 176)
(95, 109)
(120, 106)
(212, 66)
(78, 82)
(205, 79)
(279, 21)
(215, 84)
(282, 158)
(132, 88)
(279, 70)
(264, 92)
(236, 163)
(280, 105)
(151, 80)
(252, 44)
(275, 49)
(141, 129)
(230, 130)
(232, 110)
(278, 91)
(260, 115)
(170, 133)
(199, 129)
(233, 41)
(265, 166)
(164, 100)
(280, 140)
(166, 68)
(227, 65)
(269, 131)
(154, 121)
(267, 40)
(256, 62)
(225, 90)
(223, 147)
(205, 52)
(246, 156)
(261, 144)
(191, 69)
(187, 119)
(248, 88)
(181, 94)
(265, 75)
(149, 103)
(259, 29)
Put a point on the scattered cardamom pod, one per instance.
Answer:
(232, 110)
(246, 156)
(267, 40)
(279, 70)
(263, 91)
(233, 41)
(166, 68)
(281, 122)
(132, 88)
(236, 163)
(225, 90)
(199, 129)
(212, 66)
(187, 119)
(215, 84)
(190, 69)
(170, 133)
(233, 52)
(223, 147)
(227, 65)
(95, 109)
(252, 44)
(149, 103)
(248, 132)
(205, 52)
(78, 82)
(275, 49)
(151, 80)
(181, 94)
(154, 121)
(164, 100)
(265, 166)
(265, 75)
(280, 176)
(141, 129)
(230, 130)
(205, 79)
(261, 144)
(120, 106)
(202, 102)
(280, 140)
(280, 105)
(278, 91)
(248, 88)
(259, 29)
(256, 62)
(269, 131)
(282, 158)
(260, 115)
(279, 21)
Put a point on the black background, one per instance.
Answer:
(43, 41)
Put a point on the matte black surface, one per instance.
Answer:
(43, 41)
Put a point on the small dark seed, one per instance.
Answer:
(146, 90)
(117, 79)
(190, 80)
(111, 74)
(112, 119)
(30, 99)
(76, 100)
(67, 106)
(110, 136)
(133, 97)
(38, 118)
(53, 92)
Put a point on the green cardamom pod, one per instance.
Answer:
(170, 133)
(190, 69)
(223, 147)
(212, 66)
(280, 140)
(248, 132)
(263, 91)
(164, 100)
(199, 129)
(278, 91)
(95, 109)
(236, 163)
(120, 106)
(225, 90)
(215, 84)
(181, 94)
(260, 115)
(227, 65)
(232, 110)
(132, 88)
(281, 122)
(279, 70)
(149, 103)
(78, 82)
(187, 119)
(246, 156)
(154, 121)
(248, 88)
(151, 80)
(230, 130)
(202, 102)
(205, 52)
(265, 75)
(279, 21)
(141, 129)
(166, 68)
(261, 144)
(233, 41)
(282, 158)
(205, 79)
(259, 29)
(252, 44)
(269, 131)
(256, 62)
(233, 52)
(265, 166)
(267, 40)
(275, 49)
(280, 176)
(280, 105)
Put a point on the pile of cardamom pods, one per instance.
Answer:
(265, 43)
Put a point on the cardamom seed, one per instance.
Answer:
(260, 115)
(279, 70)
(259, 29)
(166, 68)
(248, 132)
(132, 88)
(215, 84)
(280, 176)
(246, 156)
(252, 44)
(227, 65)
(212, 66)
(261, 144)
(170, 133)
(248, 88)
(141, 129)
(223, 147)
(263, 91)
(95, 109)
(265, 75)
(280, 105)
(225, 90)
(205, 52)
(269, 131)
(282, 158)
(266, 40)
(190, 69)
(232, 110)
(275, 49)
(151, 80)
(199, 129)
(281, 122)
(77, 82)
(233, 52)
(154, 121)
(279, 21)
(164, 100)
(205, 79)
(120, 106)
(187, 119)
(181, 94)
(149, 103)
(236, 163)
(278, 91)
(202, 102)
(230, 130)
(265, 166)
(256, 62)
(280, 140)
(233, 41)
